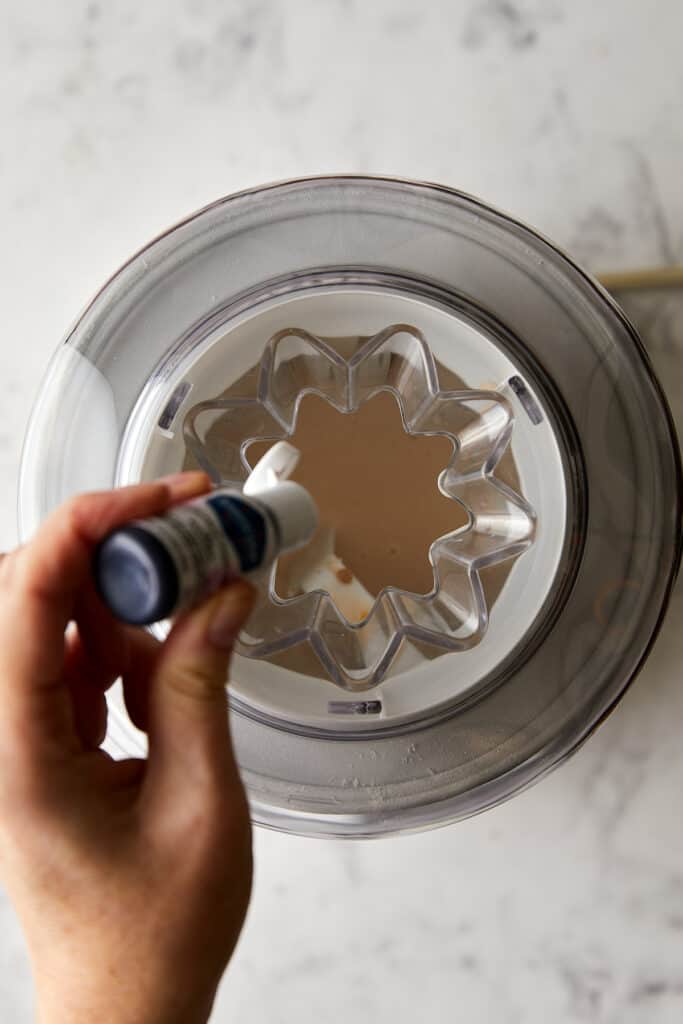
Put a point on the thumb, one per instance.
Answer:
(188, 729)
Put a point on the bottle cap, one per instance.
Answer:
(295, 511)
(135, 575)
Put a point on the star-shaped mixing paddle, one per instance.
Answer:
(501, 523)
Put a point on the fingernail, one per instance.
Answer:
(185, 485)
(232, 611)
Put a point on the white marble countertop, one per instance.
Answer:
(565, 905)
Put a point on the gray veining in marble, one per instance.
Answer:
(565, 905)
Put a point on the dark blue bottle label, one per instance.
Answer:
(245, 527)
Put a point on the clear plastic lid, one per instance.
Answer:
(494, 456)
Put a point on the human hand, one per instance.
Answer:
(131, 878)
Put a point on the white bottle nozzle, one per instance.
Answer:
(290, 503)
(277, 464)
(294, 510)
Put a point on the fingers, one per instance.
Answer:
(89, 710)
(56, 563)
(46, 575)
(144, 653)
(134, 660)
(186, 485)
(91, 665)
(39, 589)
(187, 716)
(101, 649)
